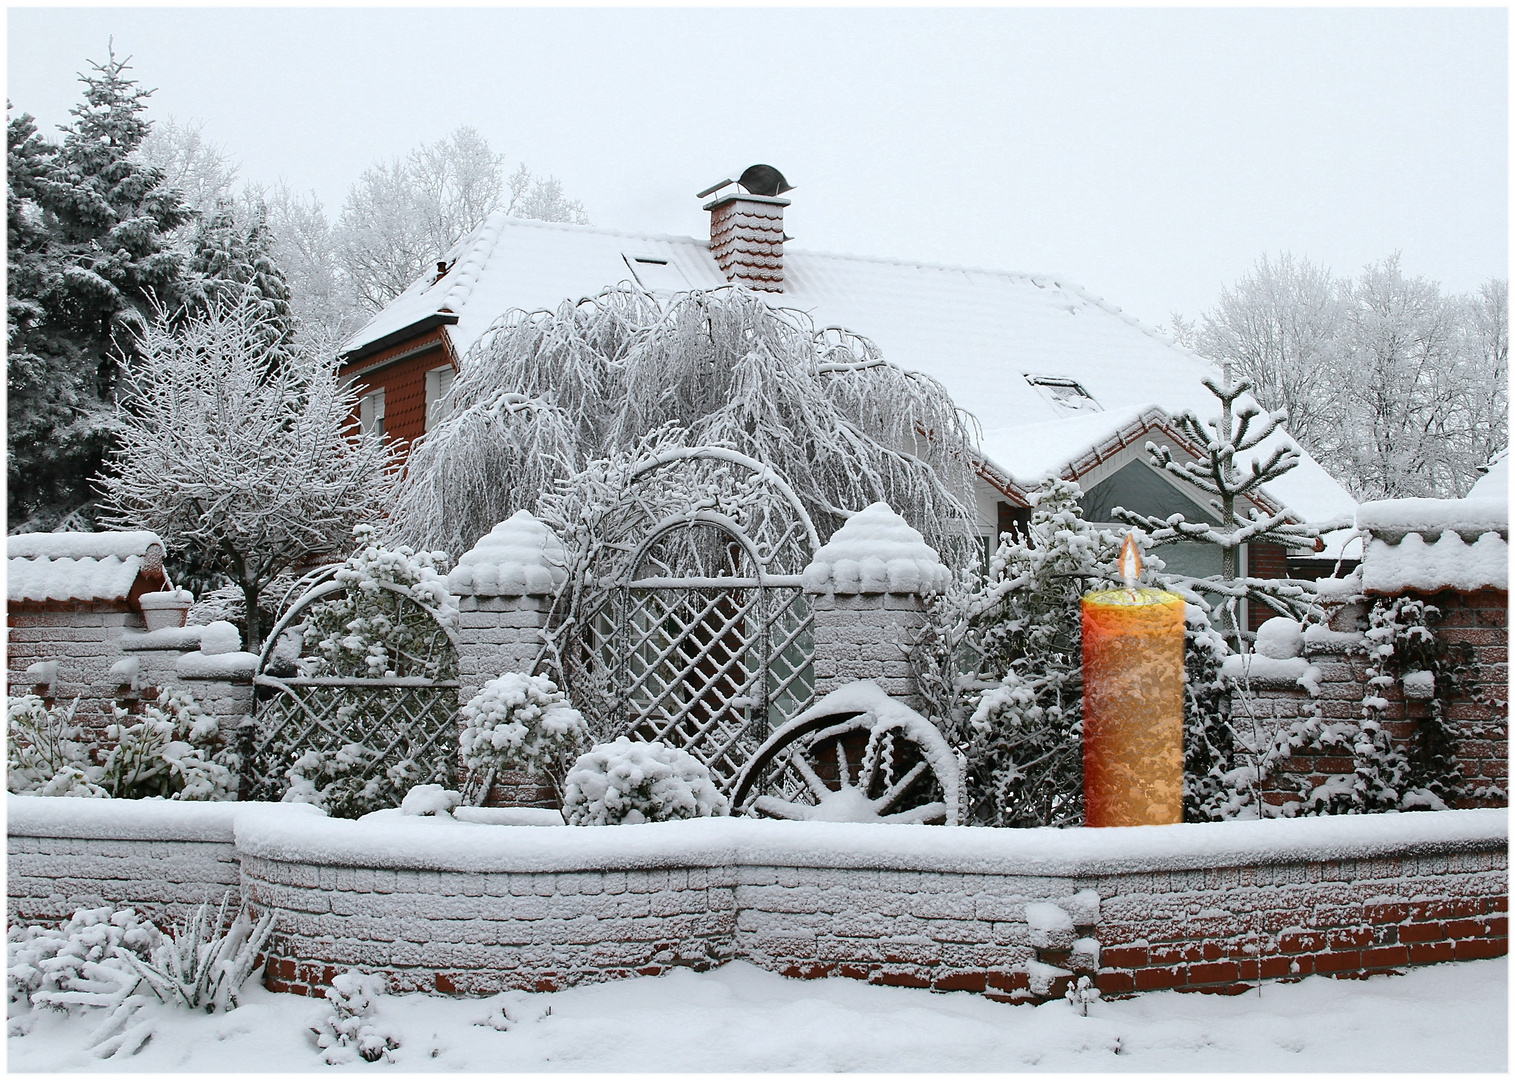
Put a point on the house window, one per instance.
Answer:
(371, 411)
(438, 382)
(1064, 395)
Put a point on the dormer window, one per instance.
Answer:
(1064, 395)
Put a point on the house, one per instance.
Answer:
(1062, 383)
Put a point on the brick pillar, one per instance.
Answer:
(505, 587)
(866, 587)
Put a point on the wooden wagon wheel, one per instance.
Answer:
(852, 766)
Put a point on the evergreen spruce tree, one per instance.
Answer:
(232, 259)
(93, 257)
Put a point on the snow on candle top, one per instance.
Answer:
(876, 551)
(518, 557)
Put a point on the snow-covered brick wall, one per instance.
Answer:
(84, 640)
(1338, 682)
(437, 904)
(876, 551)
(518, 557)
(162, 857)
(1447, 562)
(1469, 518)
(866, 636)
(497, 634)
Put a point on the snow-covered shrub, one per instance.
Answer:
(46, 752)
(171, 751)
(1221, 769)
(220, 637)
(112, 962)
(350, 1032)
(521, 722)
(627, 782)
(374, 629)
(77, 964)
(429, 800)
(1001, 665)
(346, 783)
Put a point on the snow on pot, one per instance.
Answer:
(165, 610)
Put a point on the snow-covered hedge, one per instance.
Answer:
(521, 722)
(627, 782)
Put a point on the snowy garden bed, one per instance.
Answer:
(439, 904)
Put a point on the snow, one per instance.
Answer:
(44, 672)
(1494, 484)
(1279, 638)
(425, 800)
(170, 637)
(519, 557)
(1048, 918)
(1319, 638)
(1446, 563)
(1419, 684)
(167, 598)
(1469, 518)
(978, 332)
(508, 815)
(40, 579)
(137, 819)
(227, 665)
(441, 844)
(1263, 668)
(80, 545)
(738, 1018)
(876, 551)
(219, 638)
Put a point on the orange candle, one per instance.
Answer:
(1133, 703)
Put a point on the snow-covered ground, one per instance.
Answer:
(1448, 1018)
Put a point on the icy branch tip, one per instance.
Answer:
(1130, 561)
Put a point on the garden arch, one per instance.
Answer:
(373, 735)
(691, 626)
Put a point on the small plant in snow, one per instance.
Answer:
(521, 722)
(46, 752)
(77, 964)
(374, 629)
(171, 751)
(627, 782)
(1082, 994)
(350, 1031)
(205, 961)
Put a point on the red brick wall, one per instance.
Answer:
(1481, 619)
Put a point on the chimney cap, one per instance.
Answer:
(757, 179)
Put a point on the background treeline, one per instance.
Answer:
(1398, 389)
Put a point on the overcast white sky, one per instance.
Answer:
(1149, 155)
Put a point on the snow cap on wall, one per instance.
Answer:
(78, 565)
(876, 551)
(1433, 544)
(518, 557)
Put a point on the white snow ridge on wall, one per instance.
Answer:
(518, 557)
(876, 551)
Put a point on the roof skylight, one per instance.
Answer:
(1064, 395)
(656, 274)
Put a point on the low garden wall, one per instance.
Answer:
(438, 904)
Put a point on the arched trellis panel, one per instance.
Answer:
(363, 739)
(692, 626)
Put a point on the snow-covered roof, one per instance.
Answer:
(43, 567)
(1431, 544)
(1494, 484)
(980, 333)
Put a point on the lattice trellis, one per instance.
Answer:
(710, 670)
(691, 627)
(411, 724)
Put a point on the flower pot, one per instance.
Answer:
(165, 610)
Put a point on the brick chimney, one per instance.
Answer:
(747, 229)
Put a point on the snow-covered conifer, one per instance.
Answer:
(627, 782)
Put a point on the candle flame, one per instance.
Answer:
(1130, 561)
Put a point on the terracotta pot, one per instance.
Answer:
(165, 610)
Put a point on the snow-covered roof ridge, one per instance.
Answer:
(468, 264)
(81, 545)
(1393, 519)
(80, 566)
(876, 551)
(520, 556)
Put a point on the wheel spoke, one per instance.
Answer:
(781, 808)
(843, 771)
(918, 814)
(802, 766)
(886, 800)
